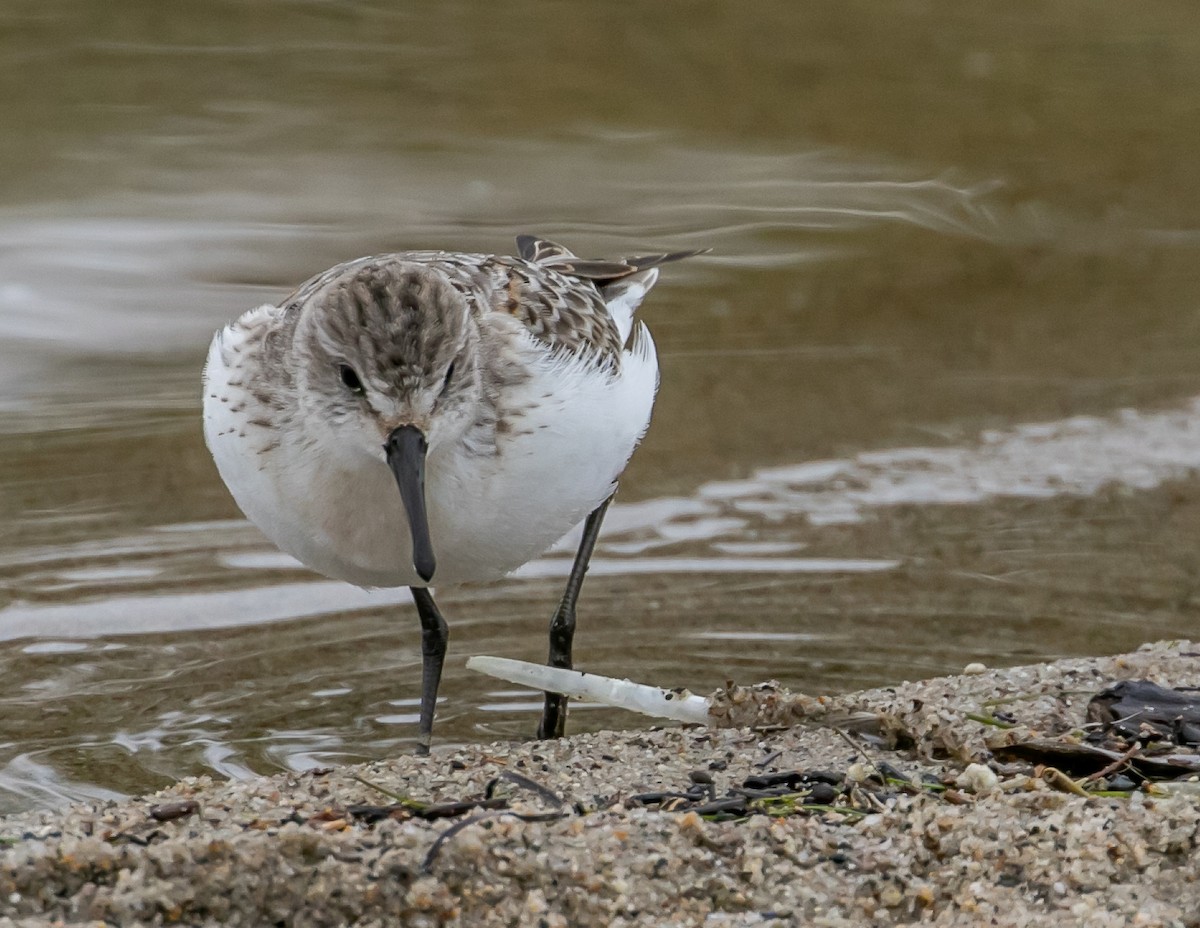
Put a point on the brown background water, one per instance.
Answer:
(932, 225)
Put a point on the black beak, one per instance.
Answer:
(406, 447)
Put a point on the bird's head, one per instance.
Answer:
(388, 363)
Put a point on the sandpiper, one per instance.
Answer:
(502, 396)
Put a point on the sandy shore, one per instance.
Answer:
(569, 835)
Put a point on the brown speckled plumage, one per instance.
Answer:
(399, 321)
(561, 299)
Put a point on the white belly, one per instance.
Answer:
(488, 514)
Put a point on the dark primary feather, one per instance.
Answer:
(600, 271)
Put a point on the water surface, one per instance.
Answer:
(931, 399)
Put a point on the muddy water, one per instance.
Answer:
(930, 400)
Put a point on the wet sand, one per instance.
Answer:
(565, 840)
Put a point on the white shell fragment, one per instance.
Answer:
(978, 779)
(678, 705)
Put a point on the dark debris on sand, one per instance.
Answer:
(992, 798)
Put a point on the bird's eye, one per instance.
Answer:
(350, 379)
(448, 377)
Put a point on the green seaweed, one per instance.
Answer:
(403, 800)
(794, 804)
(989, 720)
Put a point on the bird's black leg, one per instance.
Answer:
(434, 635)
(562, 626)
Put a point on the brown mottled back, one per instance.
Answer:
(560, 298)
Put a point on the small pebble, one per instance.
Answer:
(169, 811)
(859, 772)
(978, 779)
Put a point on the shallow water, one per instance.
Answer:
(931, 399)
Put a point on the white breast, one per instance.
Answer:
(488, 514)
(561, 460)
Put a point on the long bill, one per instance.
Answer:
(406, 447)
